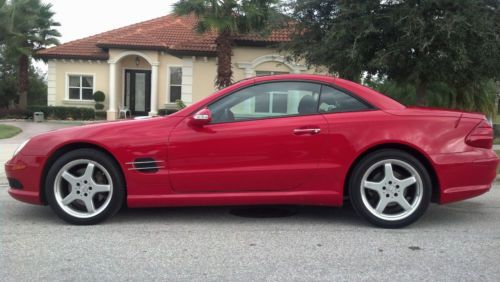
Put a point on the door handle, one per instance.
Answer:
(300, 131)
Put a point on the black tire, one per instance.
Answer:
(371, 160)
(100, 158)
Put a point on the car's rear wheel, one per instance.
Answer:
(84, 187)
(390, 188)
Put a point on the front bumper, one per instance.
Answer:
(27, 171)
(465, 175)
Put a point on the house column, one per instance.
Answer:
(111, 113)
(154, 89)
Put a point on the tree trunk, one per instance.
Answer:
(23, 80)
(422, 92)
(224, 52)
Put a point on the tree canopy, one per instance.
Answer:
(227, 18)
(415, 42)
(26, 26)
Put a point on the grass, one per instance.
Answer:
(7, 131)
(496, 141)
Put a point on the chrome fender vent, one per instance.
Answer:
(146, 165)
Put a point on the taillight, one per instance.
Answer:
(481, 136)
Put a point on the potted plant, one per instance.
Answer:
(99, 97)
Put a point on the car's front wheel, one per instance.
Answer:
(84, 187)
(390, 188)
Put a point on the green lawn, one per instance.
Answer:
(7, 131)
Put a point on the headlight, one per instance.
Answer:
(20, 147)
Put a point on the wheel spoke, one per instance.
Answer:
(407, 182)
(89, 204)
(89, 171)
(375, 186)
(69, 177)
(403, 203)
(69, 199)
(100, 188)
(389, 174)
(382, 203)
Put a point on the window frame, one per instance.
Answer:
(168, 82)
(67, 86)
(370, 107)
(270, 73)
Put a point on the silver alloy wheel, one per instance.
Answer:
(83, 188)
(391, 189)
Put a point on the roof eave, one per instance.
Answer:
(103, 57)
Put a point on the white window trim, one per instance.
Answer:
(271, 72)
(66, 86)
(250, 66)
(167, 90)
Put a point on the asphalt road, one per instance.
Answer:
(457, 242)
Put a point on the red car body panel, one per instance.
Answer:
(262, 161)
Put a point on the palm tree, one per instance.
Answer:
(228, 18)
(30, 27)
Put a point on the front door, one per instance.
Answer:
(138, 91)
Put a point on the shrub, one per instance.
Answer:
(99, 106)
(63, 113)
(14, 114)
(99, 96)
(180, 104)
(100, 115)
(166, 112)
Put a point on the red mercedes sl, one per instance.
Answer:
(284, 139)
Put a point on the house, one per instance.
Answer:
(149, 65)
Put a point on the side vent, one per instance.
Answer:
(146, 165)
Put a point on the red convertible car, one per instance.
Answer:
(285, 139)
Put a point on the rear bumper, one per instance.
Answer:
(26, 171)
(465, 175)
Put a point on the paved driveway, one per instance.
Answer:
(457, 242)
(8, 146)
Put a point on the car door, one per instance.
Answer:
(266, 137)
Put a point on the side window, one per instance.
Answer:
(336, 101)
(275, 99)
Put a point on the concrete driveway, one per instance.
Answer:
(457, 242)
(8, 146)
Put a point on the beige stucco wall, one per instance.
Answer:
(63, 68)
(204, 73)
(198, 72)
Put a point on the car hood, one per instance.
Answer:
(101, 134)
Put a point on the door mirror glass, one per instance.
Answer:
(202, 117)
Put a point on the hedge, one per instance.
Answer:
(63, 113)
(13, 114)
(100, 115)
(166, 112)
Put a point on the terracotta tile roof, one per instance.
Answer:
(167, 33)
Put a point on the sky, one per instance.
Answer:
(80, 19)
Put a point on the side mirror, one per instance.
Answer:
(201, 118)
